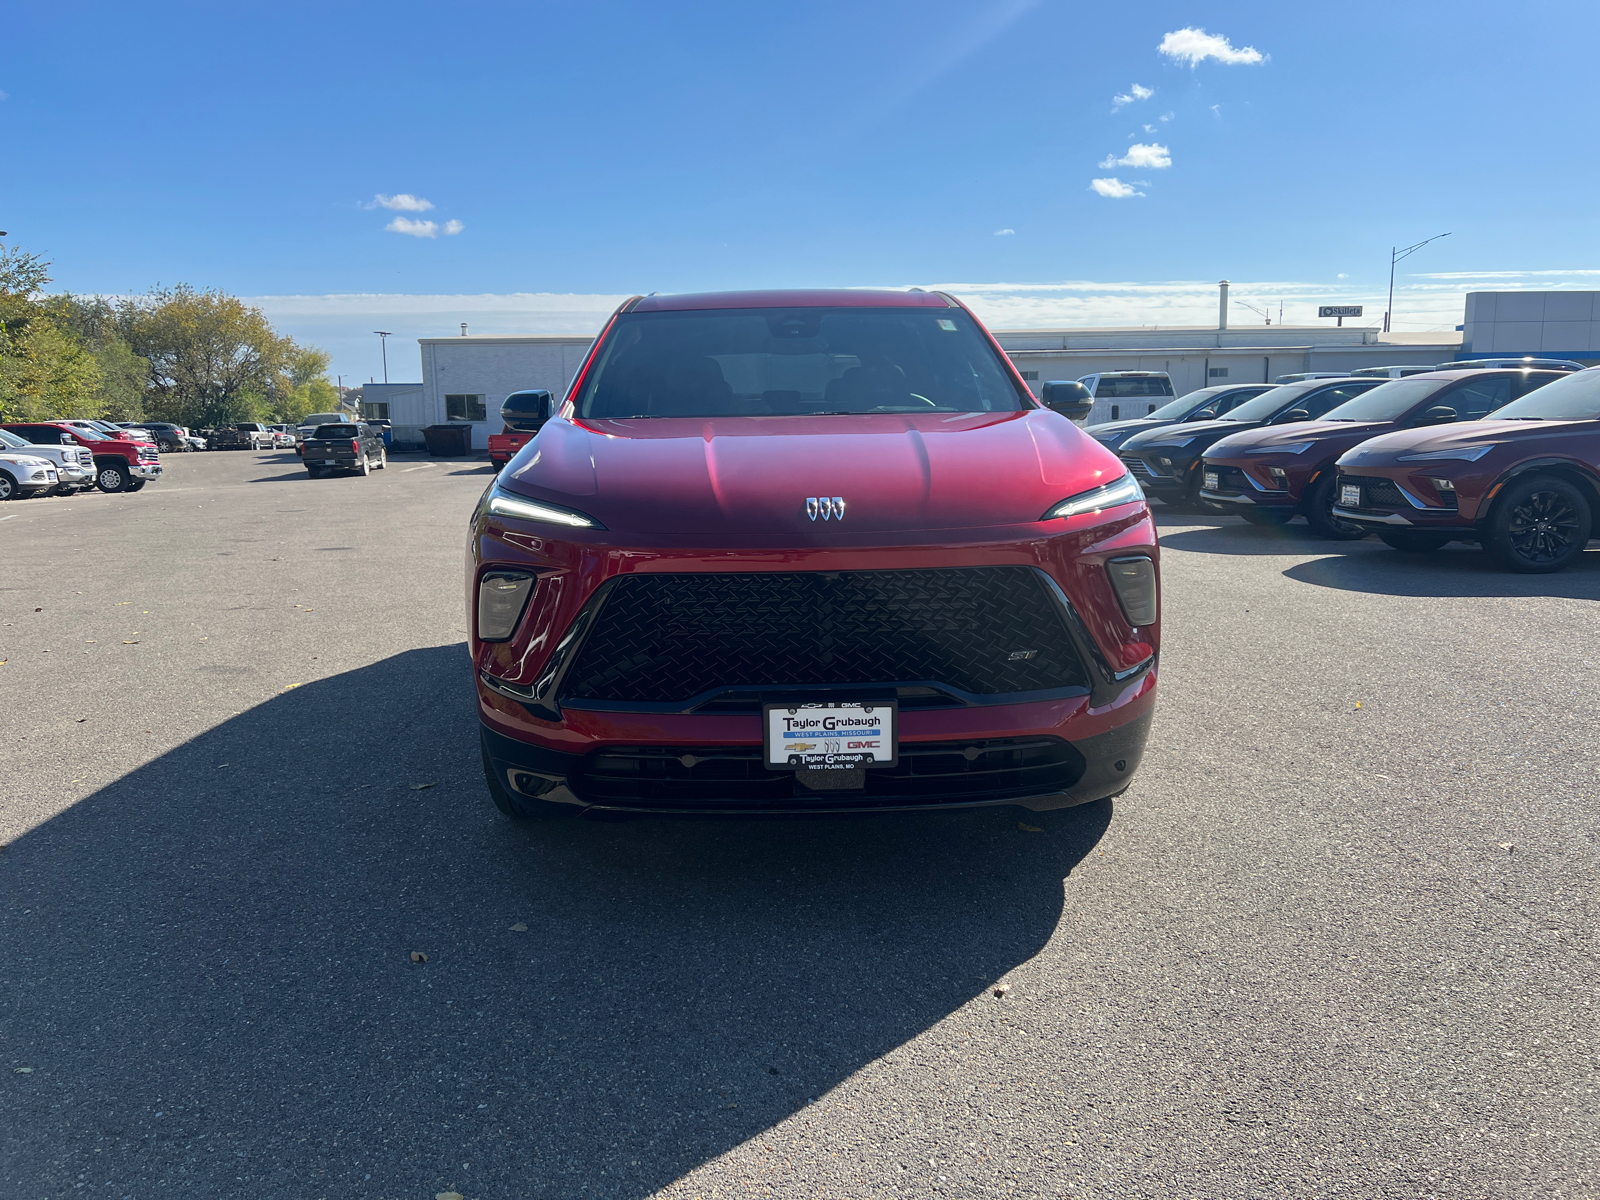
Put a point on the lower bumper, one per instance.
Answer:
(1037, 773)
(145, 471)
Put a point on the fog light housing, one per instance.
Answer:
(1134, 581)
(1444, 485)
(502, 595)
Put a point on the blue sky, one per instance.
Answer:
(589, 151)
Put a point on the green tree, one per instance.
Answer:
(123, 374)
(45, 369)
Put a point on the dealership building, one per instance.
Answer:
(466, 379)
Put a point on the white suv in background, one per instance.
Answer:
(74, 467)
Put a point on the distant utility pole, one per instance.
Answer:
(1394, 257)
(383, 341)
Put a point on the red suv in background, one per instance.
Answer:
(1524, 482)
(121, 464)
(1285, 470)
(810, 551)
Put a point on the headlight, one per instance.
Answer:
(1291, 448)
(503, 504)
(1108, 440)
(1465, 454)
(502, 595)
(1120, 491)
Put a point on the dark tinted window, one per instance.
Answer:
(1325, 399)
(1116, 389)
(335, 431)
(795, 361)
(1527, 381)
(1189, 402)
(1233, 399)
(1478, 398)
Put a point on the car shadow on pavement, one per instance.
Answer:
(1457, 571)
(209, 964)
(1230, 536)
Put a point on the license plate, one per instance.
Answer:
(330, 462)
(830, 737)
(1350, 495)
(1211, 481)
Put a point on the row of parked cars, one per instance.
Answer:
(62, 457)
(1502, 454)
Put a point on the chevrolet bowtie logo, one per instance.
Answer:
(826, 508)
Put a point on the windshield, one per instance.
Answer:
(796, 361)
(90, 435)
(323, 419)
(1388, 401)
(1573, 397)
(1184, 405)
(1268, 404)
(7, 438)
(1113, 388)
(335, 431)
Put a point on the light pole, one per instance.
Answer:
(1394, 257)
(383, 341)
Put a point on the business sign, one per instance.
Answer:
(1339, 310)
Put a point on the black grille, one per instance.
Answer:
(1376, 491)
(1138, 468)
(671, 638)
(708, 778)
(1229, 479)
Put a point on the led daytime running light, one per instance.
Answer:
(1120, 491)
(504, 504)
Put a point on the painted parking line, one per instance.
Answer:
(418, 467)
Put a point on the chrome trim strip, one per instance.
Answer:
(1368, 518)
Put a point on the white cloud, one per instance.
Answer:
(1149, 128)
(1216, 110)
(1134, 94)
(1154, 157)
(453, 227)
(1114, 188)
(5, 95)
(1168, 116)
(1342, 275)
(404, 202)
(421, 229)
(1194, 46)
(1004, 232)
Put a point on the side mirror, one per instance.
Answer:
(1205, 414)
(1071, 399)
(1296, 414)
(1439, 414)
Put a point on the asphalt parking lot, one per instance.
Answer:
(1337, 939)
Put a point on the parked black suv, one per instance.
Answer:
(357, 448)
(1166, 461)
(1204, 405)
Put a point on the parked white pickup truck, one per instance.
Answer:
(74, 467)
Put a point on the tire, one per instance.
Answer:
(518, 808)
(314, 472)
(1266, 518)
(1413, 542)
(113, 477)
(383, 458)
(1319, 511)
(365, 468)
(135, 484)
(1539, 525)
(8, 486)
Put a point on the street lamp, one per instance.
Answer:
(1394, 257)
(383, 341)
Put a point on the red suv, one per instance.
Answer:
(1286, 470)
(810, 551)
(1524, 482)
(122, 463)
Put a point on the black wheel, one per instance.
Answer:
(1267, 518)
(1319, 511)
(1413, 542)
(112, 477)
(314, 472)
(1539, 525)
(135, 484)
(519, 808)
(167, 447)
(8, 486)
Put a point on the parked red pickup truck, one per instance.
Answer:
(523, 413)
(121, 464)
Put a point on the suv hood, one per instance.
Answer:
(1451, 437)
(1325, 433)
(720, 476)
(1131, 426)
(1211, 430)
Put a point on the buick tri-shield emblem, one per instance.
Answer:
(826, 508)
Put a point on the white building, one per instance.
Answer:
(467, 379)
(1543, 324)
